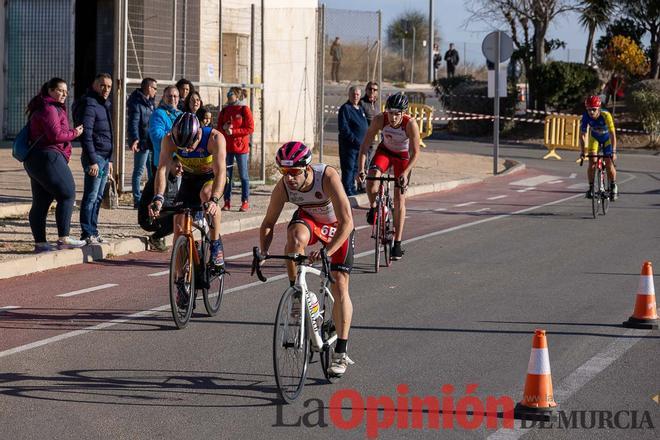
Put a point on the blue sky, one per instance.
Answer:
(451, 15)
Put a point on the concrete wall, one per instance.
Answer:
(3, 68)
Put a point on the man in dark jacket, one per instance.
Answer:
(97, 153)
(140, 105)
(451, 57)
(369, 103)
(164, 224)
(352, 128)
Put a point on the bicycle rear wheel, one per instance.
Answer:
(327, 331)
(182, 282)
(595, 199)
(378, 236)
(605, 199)
(215, 283)
(290, 351)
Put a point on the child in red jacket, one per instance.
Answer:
(236, 124)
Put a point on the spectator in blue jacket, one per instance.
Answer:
(352, 129)
(96, 157)
(140, 106)
(162, 119)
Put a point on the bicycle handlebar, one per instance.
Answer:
(603, 156)
(257, 258)
(388, 179)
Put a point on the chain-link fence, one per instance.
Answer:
(213, 46)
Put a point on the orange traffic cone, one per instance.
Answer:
(538, 402)
(645, 314)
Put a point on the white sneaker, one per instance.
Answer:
(340, 361)
(70, 243)
(95, 239)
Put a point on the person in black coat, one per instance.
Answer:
(164, 224)
(140, 106)
(96, 113)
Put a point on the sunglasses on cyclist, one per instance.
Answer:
(593, 109)
(291, 171)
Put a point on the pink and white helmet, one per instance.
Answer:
(293, 154)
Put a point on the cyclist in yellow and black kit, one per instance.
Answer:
(202, 152)
(600, 136)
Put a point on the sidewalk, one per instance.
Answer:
(435, 171)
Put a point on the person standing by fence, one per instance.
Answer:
(369, 103)
(452, 59)
(162, 119)
(235, 122)
(96, 158)
(353, 126)
(47, 165)
(140, 106)
(336, 54)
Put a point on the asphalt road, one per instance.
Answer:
(485, 265)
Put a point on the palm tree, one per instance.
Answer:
(595, 14)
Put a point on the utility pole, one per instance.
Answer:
(430, 70)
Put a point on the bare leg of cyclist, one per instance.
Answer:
(372, 192)
(297, 237)
(217, 250)
(399, 220)
(342, 312)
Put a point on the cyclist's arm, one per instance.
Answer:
(372, 131)
(610, 127)
(412, 130)
(342, 207)
(166, 151)
(277, 200)
(219, 151)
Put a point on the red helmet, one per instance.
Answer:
(293, 154)
(592, 102)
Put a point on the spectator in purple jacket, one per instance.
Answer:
(48, 165)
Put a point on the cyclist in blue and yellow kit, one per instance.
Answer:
(601, 135)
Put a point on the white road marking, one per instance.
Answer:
(534, 181)
(553, 182)
(465, 204)
(572, 176)
(3, 308)
(582, 185)
(362, 227)
(580, 377)
(89, 289)
(524, 190)
(157, 274)
(497, 197)
(155, 310)
(439, 209)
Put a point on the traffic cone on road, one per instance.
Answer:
(645, 314)
(538, 402)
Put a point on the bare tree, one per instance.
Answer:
(646, 13)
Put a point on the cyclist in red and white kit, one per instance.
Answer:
(399, 149)
(324, 214)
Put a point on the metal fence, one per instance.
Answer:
(212, 46)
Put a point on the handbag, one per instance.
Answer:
(110, 195)
(21, 147)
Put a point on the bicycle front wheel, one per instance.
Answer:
(605, 199)
(327, 331)
(290, 346)
(596, 195)
(182, 282)
(378, 236)
(215, 284)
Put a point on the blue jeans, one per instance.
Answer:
(50, 179)
(141, 160)
(348, 158)
(242, 162)
(92, 196)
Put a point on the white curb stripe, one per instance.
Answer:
(89, 289)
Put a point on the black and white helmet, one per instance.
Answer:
(185, 130)
(398, 101)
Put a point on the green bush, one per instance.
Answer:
(563, 86)
(470, 97)
(643, 100)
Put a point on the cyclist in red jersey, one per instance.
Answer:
(399, 149)
(324, 214)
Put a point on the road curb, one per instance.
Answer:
(53, 260)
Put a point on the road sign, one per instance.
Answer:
(489, 46)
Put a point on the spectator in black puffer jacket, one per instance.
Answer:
(140, 106)
(96, 114)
